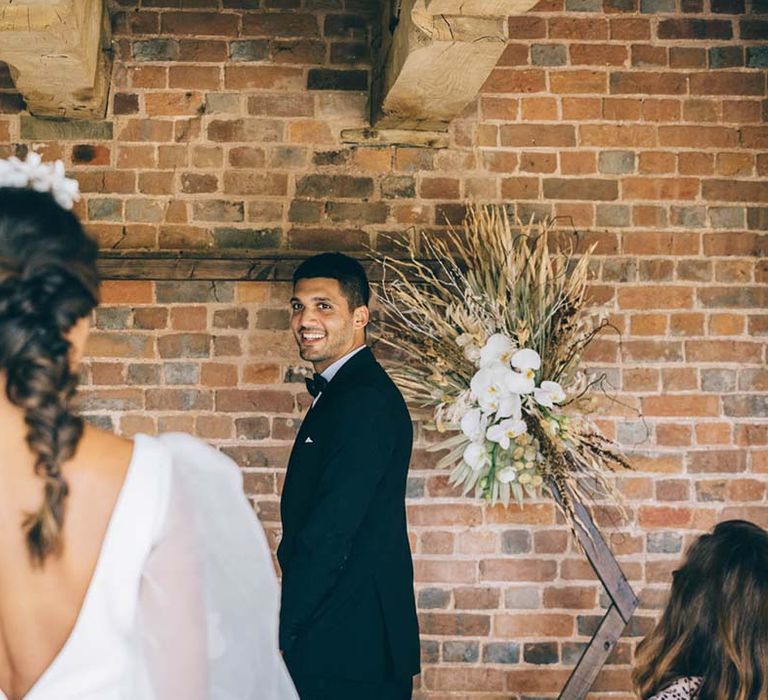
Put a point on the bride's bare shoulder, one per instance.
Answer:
(101, 455)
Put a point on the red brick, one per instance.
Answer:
(723, 351)
(476, 598)
(527, 27)
(630, 28)
(537, 135)
(699, 405)
(713, 433)
(735, 164)
(473, 679)
(672, 490)
(656, 162)
(517, 570)
(598, 54)
(575, 82)
(504, 108)
(622, 109)
(520, 188)
(200, 23)
(444, 515)
(577, 162)
(537, 108)
(727, 83)
(663, 517)
(528, 625)
(440, 571)
(603, 135)
(580, 28)
(581, 108)
(702, 110)
(127, 292)
(248, 401)
(696, 163)
(515, 81)
(698, 136)
(193, 77)
(579, 598)
(263, 77)
(661, 298)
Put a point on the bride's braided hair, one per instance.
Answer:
(48, 281)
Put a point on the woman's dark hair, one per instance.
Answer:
(715, 625)
(347, 271)
(48, 281)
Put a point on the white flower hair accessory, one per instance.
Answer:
(39, 176)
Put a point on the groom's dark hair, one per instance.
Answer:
(348, 272)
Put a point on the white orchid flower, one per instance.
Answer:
(520, 383)
(527, 361)
(476, 456)
(498, 349)
(491, 388)
(506, 431)
(548, 394)
(473, 424)
(506, 475)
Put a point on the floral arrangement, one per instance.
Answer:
(43, 177)
(489, 325)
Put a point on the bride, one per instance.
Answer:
(129, 570)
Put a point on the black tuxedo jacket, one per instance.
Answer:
(348, 608)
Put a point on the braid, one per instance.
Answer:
(49, 286)
(40, 381)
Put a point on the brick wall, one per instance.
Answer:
(642, 122)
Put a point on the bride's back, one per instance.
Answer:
(57, 490)
(39, 605)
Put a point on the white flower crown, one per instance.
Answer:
(39, 176)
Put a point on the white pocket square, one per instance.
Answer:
(309, 441)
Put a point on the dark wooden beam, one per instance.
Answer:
(174, 265)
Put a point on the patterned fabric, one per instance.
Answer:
(681, 689)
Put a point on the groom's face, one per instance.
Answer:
(322, 322)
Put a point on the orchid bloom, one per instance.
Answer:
(491, 387)
(506, 431)
(476, 456)
(473, 424)
(548, 394)
(497, 350)
(527, 361)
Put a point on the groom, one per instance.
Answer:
(348, 626)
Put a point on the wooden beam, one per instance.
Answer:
(59, 55)
(175, 265)
(435, 56)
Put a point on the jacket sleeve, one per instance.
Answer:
(353, 470)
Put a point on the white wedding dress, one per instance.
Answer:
(183, 603)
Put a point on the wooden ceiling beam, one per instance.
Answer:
(59, 55)
(435, 56)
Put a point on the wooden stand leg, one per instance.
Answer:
(624, 602)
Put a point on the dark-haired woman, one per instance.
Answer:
(129, 570)
(711, 642)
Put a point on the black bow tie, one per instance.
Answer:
(316, 384)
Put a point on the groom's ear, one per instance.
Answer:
(360, 317)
